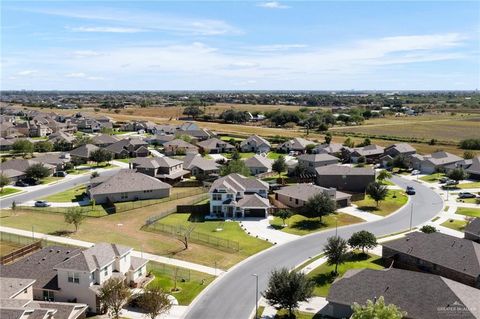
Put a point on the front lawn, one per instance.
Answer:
(467, 200)
(323, 275)
(69, 195)
(469, 185)
(432, 178)
(189, 282)
(473, 212)
(455, 224)
(386, 182)
(242, 155)
(50, 179)
(274, 155)
(394, 200)
(302, 225)
(8, 191)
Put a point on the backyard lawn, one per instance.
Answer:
(242, 155)
(455, 224)
(8, 191)
(69, 195)
(7, 247)
(432, 178)
(473, 212)
(469, 185)
(302, 225)
(394, 200)
(189, 282)
(323, 275)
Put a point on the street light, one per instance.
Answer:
(256, 295)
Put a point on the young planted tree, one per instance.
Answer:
(154, 301)
(37, 171)
(457, 174)
(363, 240)
(377, 191)
(113, 295)
(328, 138)
(74, 216)
(279, 165)
(377, 310)
(320, 205)
(4, 181)
(286, 289)
(428, 229)
(284, 214)
(184, 233)
(101, 155)
(384, 175)
(348, 142)
(336, 251)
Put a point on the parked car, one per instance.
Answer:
(415, 172)
(30, 181)
(21, 184)
(410, 190)
(42, 203)
(451, 182)
(60, 174)
(466, 195)
(443, 180)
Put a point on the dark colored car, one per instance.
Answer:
(30, 181)
(410, 190)
(443, 180)
(60, 174)
(466, 195)
(21, 184)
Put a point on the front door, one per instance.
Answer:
(230, 212)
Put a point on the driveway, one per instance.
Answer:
(261, 228)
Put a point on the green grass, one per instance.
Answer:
(283, 314)
(323, 275)
(8, 191)
(302, 225)
(124, 160)
(467, 200)
(473, 212)
(309, 261)
(100, 165)
(189, 282)
(446, 208)
(469, 185)
(50, 179)
(387, 182)
(274, 155)
(69, 195)
(455, 224)
(230, 230)
(242, 155)
(394, 200)
(228, 138)
(89, 211)
(432, 178)
(436, 218)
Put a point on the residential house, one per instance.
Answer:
(199, 166)
(9, 129)
(62, 138)
(421, 296)
(215, 146)
(259, 164)
(165, 129)
(6, 144)
(297, 144)
(237, 196)
(444, 255)
(311, 161)
(82, 153)
(296, 196)
(472, 168)
(255, 144)
(145, 126)
(192, 129)
(179, 147)
(15, 168)
(334, 149)
(16, 302)
(404, 149)
(129, 147)
(345, 178)
(428, 164)
(370, 152)
(160, 139)
(55, 159)
(472, 230)
(164, 168)
(104, 140)
(126, 185)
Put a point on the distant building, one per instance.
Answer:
(298, 195)
(255, 144)
(345, 178)
(259, 164)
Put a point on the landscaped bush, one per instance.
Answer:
(470, 144)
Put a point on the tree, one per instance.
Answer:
(349, 143)
(336, 251)
(193, 111)
(184, 233)
(82, 140)
(279, 165)
(428, 229)
(23, 147)
(320, 205)
(236, 155)
(377, 310)
(377, 191)
(400, 161)
(62, 146)
(361, 160)
(4, 181)
(74, 216)
(283, 214)
(366, 142)
(37, 171)
(309, 148)
(383, 175)
(94, 174)
(43, 146)
(235, 166)
(468, 155)
(101, 155)
(113, 295)
(286, 289)
(328, 138)
(363, 239)
(457, 174)
(154, 301)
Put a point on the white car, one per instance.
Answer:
(415, 172)
(42, 203)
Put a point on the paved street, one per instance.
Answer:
(233, 295)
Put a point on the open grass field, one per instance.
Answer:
(301, 225)
(455, 224)
(7, 247)
(189, 282)
(394, 200)
(69, 195)
(473, 212)
(8, 191)
(323, 275)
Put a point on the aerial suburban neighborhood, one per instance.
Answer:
(239, 160)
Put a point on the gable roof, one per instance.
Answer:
(258, 140)
(306, 191)
(10, 287)
(298, 143)
(442, 158)
(213, 143)
(128, 181)
(104, 139)
(179, 143)
(21, 165)
(259, 161)
(334, 170)
(238, 183)
(121, 145)
(474, 168)
(369, 150)
(420, 295)
(473, 227)
(317, 158)
(196, 160)
(84, 151)
(458, 254)
(329, 148)
(253, 201)
(401, 148)
(155, 162)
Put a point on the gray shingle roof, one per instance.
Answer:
(344, 170)
(253, 201)
(21, 165)
(12, 286)
(259, 161)
(155, 162)
(422, 296)
(104, 139)
(306, 191)
(214, 143)
(442, 158)
(179, 143)
(84, 151)
(298, 143)
(369, 150)
(196, 160)
(474, 168)
(473, 227)
(238, 183)
(401, 148)
(317, 158)
(258, 140)
(459, 254)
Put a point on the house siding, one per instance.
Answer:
(351, 183)
(131, 196)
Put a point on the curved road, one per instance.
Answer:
(233, 295)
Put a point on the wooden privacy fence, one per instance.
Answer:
(19, 253)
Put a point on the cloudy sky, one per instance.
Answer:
(240, 45)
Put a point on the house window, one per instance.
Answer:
(290, 199)
(48, 295)
(217, 209)
(229, 195)
(123, 195)
(216, 196)
(74, 277)
(139, 272)
(105, 271)
(296, 201)
(92, 276)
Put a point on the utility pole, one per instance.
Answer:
(256, 295)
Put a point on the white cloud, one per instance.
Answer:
(105, 29)
(27, 72)
(273, 5)
(279, 47)
(85, 53)
(81, 75)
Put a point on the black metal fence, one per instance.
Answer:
(166, 212)
(182, 274)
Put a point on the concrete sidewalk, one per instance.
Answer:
(262, 229)
(354, 211)
(85, 244)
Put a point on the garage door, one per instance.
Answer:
(252, 212)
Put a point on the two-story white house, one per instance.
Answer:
(237, 196)
(255, 144)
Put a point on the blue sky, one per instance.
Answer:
(240, 45)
